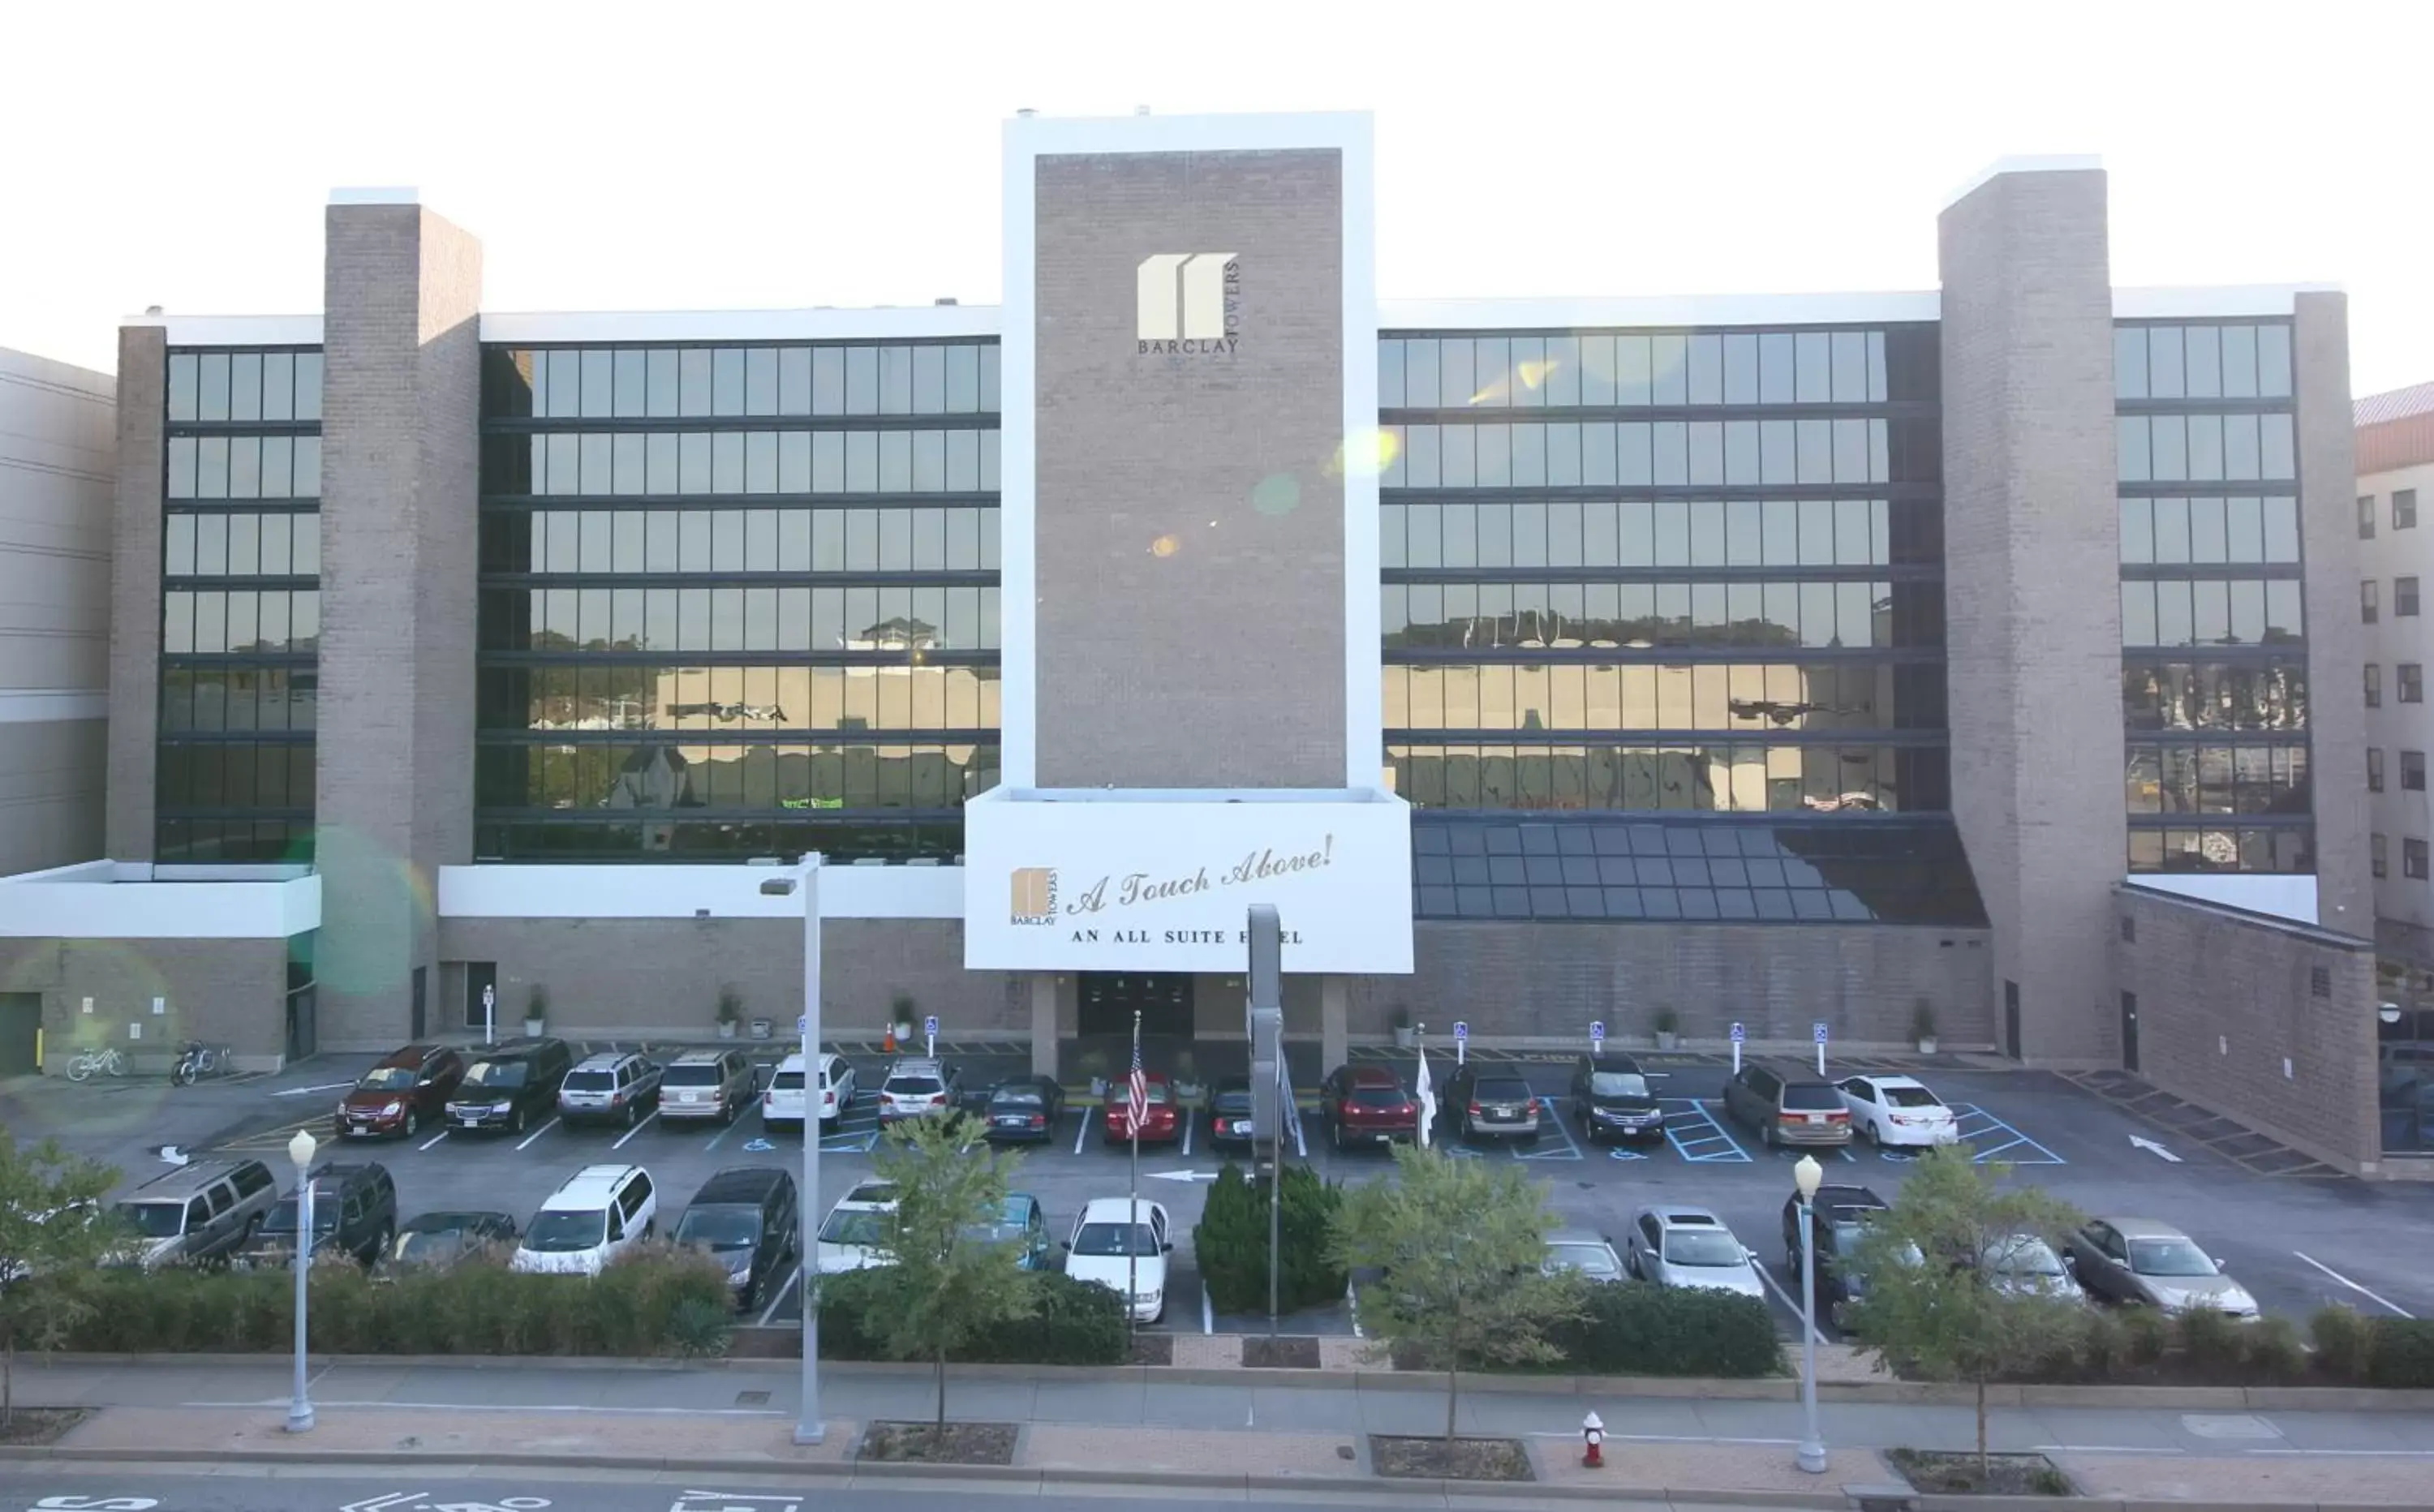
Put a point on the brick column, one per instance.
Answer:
(2337, 642)
(135, 593)
(401, 416)
(2032, 539)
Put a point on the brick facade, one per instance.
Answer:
(135, 591)
(2228, 1018)
(221, 992)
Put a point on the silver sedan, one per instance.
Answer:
(2152, 1264)
(1677, 1245)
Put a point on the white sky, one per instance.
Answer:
(709, 155)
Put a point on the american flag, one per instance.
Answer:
(1137, 1089)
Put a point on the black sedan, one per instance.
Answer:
(1229, 1114)
(443, 1241)
(1024, 1111)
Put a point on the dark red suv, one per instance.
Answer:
(1367, 1105)
(402, 1093)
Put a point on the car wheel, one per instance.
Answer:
(516, 1121)
(413, 1123)
(633, 1110)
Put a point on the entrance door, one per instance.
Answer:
(304, 1027)
(422, 976)
(2129, 1031)
(1109, 999)
(21, 1028)
(2012, 1020)
(480, 976)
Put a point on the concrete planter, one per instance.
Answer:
(1667, 1039)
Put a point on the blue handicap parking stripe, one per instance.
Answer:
(1990, 1138)
(1695, 1135)
(1549, 1115)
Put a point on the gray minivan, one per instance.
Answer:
(199, 1213)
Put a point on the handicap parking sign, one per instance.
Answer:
(1596, 1028)
(1738, 1034)
(802, 1022)
(1818, 1029)
(930, 1025)
(1461, 1030)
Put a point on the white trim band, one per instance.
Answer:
(42, 707)
(885, 323)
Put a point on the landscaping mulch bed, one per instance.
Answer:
(922, 1443)
(41, 1425)
(1152, 1348)
(1463, 1459)
(1284, 1353)
(1939, 1474)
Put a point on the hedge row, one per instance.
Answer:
(655, 1301)
(1073, 1322)
(1631, 1329)
(2135, 1345)
(1231, 1241)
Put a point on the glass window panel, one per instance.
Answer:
(213, 405)
(1816, 532)
(2202, 364)
(1529, 456)
(1740, 452)
(895, 540)
(212, 467)
(727, 381)
(860, 462)
(1776, 362)
(862, 540)
(2138, 614)
(1457, 372)
(305, 550)
(1814, 383)
(2280, 530)
(2130, 362)
(1817, 451)
(1672, 452)
(2248, 611)
(2212, 611)
(1706, 451)
(828, 540)
(860, 380)
(828, 462)
(2240, 362)
(2241, 445)
(1634, 455)
(1705, 362)
(2164, 362)
(2273, 362)
(1740, 368)
(1561, 383)
(2136, 461)
(2209, 540)
(210, 622)
(1563, 454)
(1668, 372)
(2205, 448)
(308, 386)
(2174, 615)
(1458, 464)
(2276, 446)
(692, 546)
(244, 545)
(1707, 533)
(895, 379)
(2137, 528)
(211, 547)
(1494, 461)
(177, 546)
(181, 466)
(2167, 439)
(183, 385)
(2244, 530)
(2282, 610)
(2171, 529)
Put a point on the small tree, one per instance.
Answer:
(1231, 1240)
(950, 1285)
(1942, 1290)
(53, 1233)
(1458, 1245)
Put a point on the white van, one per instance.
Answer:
(781, 1105)
(602, 1212)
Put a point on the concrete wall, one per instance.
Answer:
(2031, 537)
(400, 485)
(135, 590)
(2336, 640)
(1549, 981)
(2395, 813)
(2228, 1018)
(1190, 531)
(221, 992)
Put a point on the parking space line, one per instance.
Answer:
(433, 1140)
(1775, 1286)
(636, 1129)
(726, 1129)
(1707, 1141)
(780, 1301)
(537, 1134)
(2354, 1285)
(1972, 1123)
(1189, 1115)
(1571, 1151)
(1082, 1129)
(1292, 1113)
(1207, 1312)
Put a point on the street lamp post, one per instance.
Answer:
(300, 1149)
(809, 1429)
(1811, 1456)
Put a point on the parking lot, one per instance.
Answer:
(2296, 1244)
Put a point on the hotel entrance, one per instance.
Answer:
(1109, 999)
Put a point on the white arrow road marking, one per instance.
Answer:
(2151, 1145)
(690, 1499)
(1185, 1175)
(380, 1504)
(298, 1091)
(2354, 1285)
(172, 1155)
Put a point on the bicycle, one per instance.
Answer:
(84, 1064)
(196, 1061)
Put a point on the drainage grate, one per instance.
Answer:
(752, 1399)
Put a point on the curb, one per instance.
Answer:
(1772, 1389)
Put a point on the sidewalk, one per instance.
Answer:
(669, 1417)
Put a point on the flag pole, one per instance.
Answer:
(1132, 1206)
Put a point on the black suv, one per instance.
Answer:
(746, 1218)
(512, 1086)
(355, 1213)
(1613, 1100)
(1839, 1216)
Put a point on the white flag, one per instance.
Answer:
(1427, 1095)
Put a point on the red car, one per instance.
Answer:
(1367, 1105)
(402, 1093)
(1162, 1125)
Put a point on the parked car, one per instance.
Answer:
(1787, 1108)
(1116, 1248)
(781, 1104)
(715, 1084)
(1366, 1105)
(2023, 1265)
(1580, 1251)
(354, 1213)
(917, 1087)
(1489, 1102)
(1021, 1225)
(196, 1214)
(601, 1211)
(1230, 1125)
(614, 1087)
(746, 1218)
(1897, 1112)
(409, 1088)
(1613, 1099)
(1159, 1124)
(1840, 1215)
(1680, 1246)
(1024, 1110)
(443, 1241)
(2152, 1264)
(510, 1086)
(854, 1234)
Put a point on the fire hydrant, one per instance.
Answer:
(1593, 1440)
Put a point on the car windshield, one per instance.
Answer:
(429, 1247)
(500, 1073)
(1710, 1247)
(1617, 1084)
(387, 1078)
(694, 1075)
(560, 1230)
(1001, 1231)
(589, 1081)
(1017, 1097)
(914, 1087)
(1379, 1096)
(1810, 1096)
(1104, 1239)
(1911, 1097)
(854, 1226)
(282, 1217)
(1589, 1259)
(2024, 1255)
(156, 1220)
(720, 1228)
(2169, 1257)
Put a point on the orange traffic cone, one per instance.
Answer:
(887, 1046)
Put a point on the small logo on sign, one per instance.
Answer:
(1034, 898)
(1189, 304)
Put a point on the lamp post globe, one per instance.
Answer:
(1807, 1176)
(301, 1148)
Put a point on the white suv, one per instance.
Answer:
(781, 1105)
(602, 1212)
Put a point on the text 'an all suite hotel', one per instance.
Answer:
(1782, 659)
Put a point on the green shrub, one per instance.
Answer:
(1231, 1241)
(2149, 1336)
(1630, 1329)
(2211, 1340)
(1074, 1322)
(2344, 1343)
(2274, 1352)
(2402, 1356)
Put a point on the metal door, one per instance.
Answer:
(2012, 1020)
(2129, 1031)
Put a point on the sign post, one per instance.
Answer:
(1739, 1035)
(1597, 1036)
(1817, 1030)
(929, 1035)
(1461, 1041)
(489, 1014)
